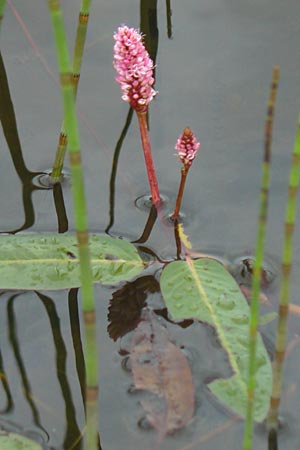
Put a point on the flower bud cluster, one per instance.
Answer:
(134, 68)
(187, 146)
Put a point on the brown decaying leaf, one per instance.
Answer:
(126, 305)
(160, 367)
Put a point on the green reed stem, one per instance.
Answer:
(91, 397)
(184, 172)
(287, 255)
(76, 68)
(142, 119)
(80, 220)
(259, 252)
(2, 8)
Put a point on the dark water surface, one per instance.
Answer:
(212, 75)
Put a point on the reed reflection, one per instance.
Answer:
(14, 341)
(73, 433)
(10, 131)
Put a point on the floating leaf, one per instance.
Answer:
(160, 367)
(51, 261)
(14, 441)
(204, 290)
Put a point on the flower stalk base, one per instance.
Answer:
(142, 119)
(184, 172)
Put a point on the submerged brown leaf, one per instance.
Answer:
(160, 367)
(126, 305)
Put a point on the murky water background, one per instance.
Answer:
(214, 76)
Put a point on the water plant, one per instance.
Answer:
(81, 225)
(135, 75)
(194, 287)
(287, 256)
(258, 264)
(187, 147)
(81, 31)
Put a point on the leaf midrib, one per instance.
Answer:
(66, 261)
(218, 326)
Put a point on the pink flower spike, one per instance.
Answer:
(187, 146)
(134, 68)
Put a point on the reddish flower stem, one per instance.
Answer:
(184, 172)
(142, 118)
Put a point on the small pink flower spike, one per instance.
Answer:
(187, 147)
(134, 68)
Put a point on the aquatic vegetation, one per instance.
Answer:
(207, 292)
(135, 75)
(252, 393)
(195, 288)
(81, 224)
(83, 19)
(187, 147)
(284, 305)
(52, 261)
(134, 68)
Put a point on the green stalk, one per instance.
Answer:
(76, 68)
(80, 221)
(287, 254)
(259, 252)
(2, 7)
(91, 396)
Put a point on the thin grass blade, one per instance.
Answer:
(259, 252)
(287, 255)
(82, 25)
(91, 362)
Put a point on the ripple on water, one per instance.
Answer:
(43, 180)
(144, 202)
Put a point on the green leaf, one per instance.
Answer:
(51, 261)
(13, 441)
(204, 290)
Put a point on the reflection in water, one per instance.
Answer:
(272, 440)
(73, 436)
(10, 131)
(169, 20)
(5, 385)
(60, 208)
(148, 27)
(76, 337)
(13, 337)
(148, 227)
(113, 175)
